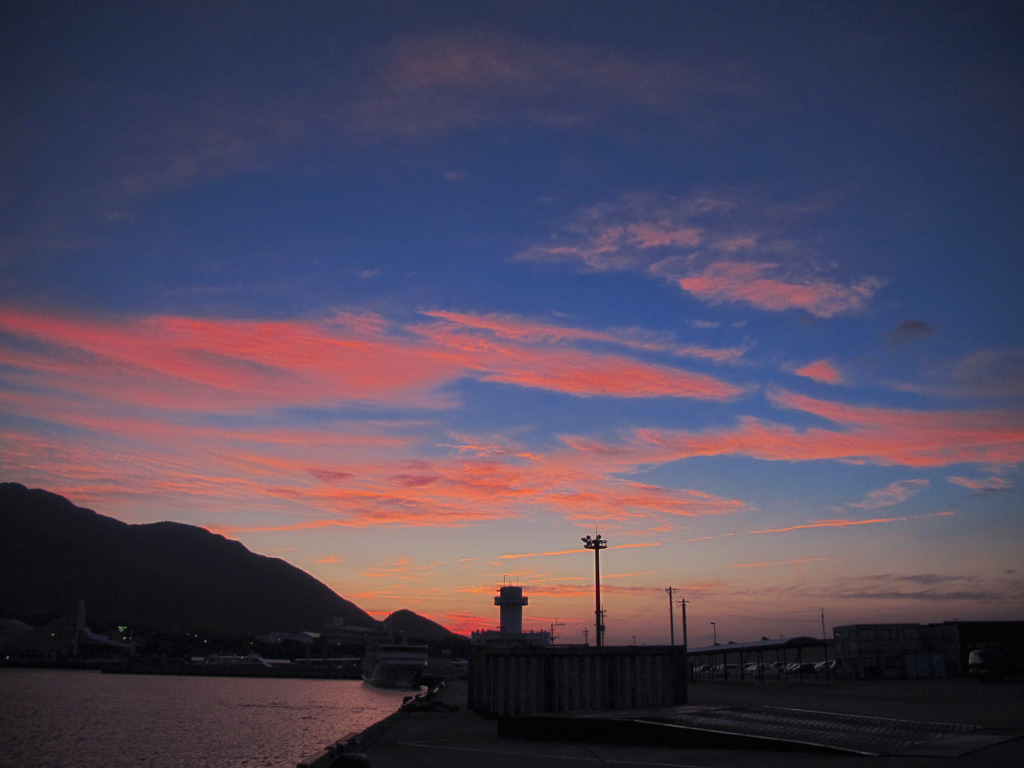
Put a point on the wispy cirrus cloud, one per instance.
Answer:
(229, 365)
(894, 493)
(799, 561)
(984, 373)
(835, 523)
(754, 283)
(520, 353)
(860, 434)
(921, 587)
(526, 330)
(638, 232)
(402, 569)
(334, 474)
(433, 83)
(152, 384)
(577, 551)
(983, 484)
(711, 248)
(196, 364)
(829, 523)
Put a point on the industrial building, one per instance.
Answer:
(915, 651)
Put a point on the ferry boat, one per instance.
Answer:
(395, 665)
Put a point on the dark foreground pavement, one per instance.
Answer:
(436, 738)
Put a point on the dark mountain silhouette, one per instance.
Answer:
(419, 627)
(166, 577)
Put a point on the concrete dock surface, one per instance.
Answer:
(989, 720)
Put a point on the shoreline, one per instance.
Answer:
(428, 738)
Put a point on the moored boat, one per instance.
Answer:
(395, 665)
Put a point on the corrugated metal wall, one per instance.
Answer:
(528, 680)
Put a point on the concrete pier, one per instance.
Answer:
(436, 737)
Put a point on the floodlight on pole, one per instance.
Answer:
(597, 544)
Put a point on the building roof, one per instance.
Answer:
(762, 645)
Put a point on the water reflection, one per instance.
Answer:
(94, 720)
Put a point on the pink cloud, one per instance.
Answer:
(747, 282)
(403, 569)
(577, 551)
(585, 374)
(220, 365)
(984, 485)
(733, 244)
(665, 237)
(377, 487)
(427, 84)
(831, 524)
(894, 493)
(534, 332)
(621, 501)
(820, 370)
(861, 434)
(650, 235)
(229, 366)
(562, 368)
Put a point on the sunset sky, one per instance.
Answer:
(415, 295)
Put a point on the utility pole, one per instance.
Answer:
(686, 638)
(586, 636)
(597, 544)
(671, 619)
(555, 623)
(714, 630)
(824, 647)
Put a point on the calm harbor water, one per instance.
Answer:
(69, 719)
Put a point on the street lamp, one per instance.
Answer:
(597, 544)
(714, 630)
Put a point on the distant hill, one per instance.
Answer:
(163, 576)
(418, 627)
(421, 629)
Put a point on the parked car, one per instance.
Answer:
(995, 663)
(727, 670)
(762, 670)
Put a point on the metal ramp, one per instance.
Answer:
(760, 727)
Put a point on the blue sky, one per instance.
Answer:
(415, 295)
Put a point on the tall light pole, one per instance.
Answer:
(597, 544)
(714, 630)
